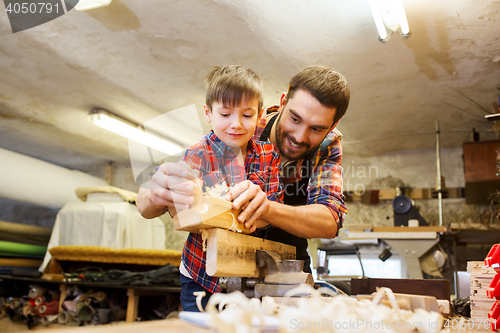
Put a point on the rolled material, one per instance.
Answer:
(48, 308)
(117, 300)
(39, 301)
(34, 181)
(25, 230)
(25, 249)
(71, 305)
(15, 262)
(101, 316)
(20, 239)
(36, 291)
(46, 320)
(67, 318)
(85, 313)
(27, 309)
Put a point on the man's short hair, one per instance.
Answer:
(329, 87)
(233, 84)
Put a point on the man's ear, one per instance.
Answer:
(334, 125)
(208, 113)
(283, 101)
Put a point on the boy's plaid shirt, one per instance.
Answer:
(325, 182)
(217, 163)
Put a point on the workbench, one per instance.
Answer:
(167, 326)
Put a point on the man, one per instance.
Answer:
(303, 129)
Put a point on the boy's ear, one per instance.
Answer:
(260, 114)
(208, 113)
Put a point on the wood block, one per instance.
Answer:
(358, 227)
(420, 193)
(437, 288)
(209, 213)
(409, 302)
(386, 194)
(234, 255)
(53, 277)
(132, 306)
(409, 229)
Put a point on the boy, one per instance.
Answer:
(227, 154)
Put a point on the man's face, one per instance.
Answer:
(302, 125)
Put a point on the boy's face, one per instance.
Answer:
(234, 125)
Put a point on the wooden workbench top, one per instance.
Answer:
(154, 326)
(168, 326)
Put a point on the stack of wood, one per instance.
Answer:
(480, 280)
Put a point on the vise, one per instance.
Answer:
(281, 276)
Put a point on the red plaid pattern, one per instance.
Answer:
(325, 183)
(217, 163)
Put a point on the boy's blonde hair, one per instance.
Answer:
(233, 84)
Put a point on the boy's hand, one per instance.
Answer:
(173, 185)
(251, 199)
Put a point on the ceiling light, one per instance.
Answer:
(389, 16)
(91, 4)
(123, 127)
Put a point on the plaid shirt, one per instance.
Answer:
(325, 182)
(217, 163)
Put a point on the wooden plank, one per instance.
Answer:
(393, 235)
(409, 229)
(386, 194)
(360, 227)
(437, 288)
(234, 255)
(209, 213)
(132, 306)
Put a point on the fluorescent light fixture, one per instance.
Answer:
(123, 127)
(389, 16)
(84, 5)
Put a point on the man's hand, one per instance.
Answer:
(173, 185)
(252, 200)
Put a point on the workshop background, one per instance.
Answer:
(143, 59)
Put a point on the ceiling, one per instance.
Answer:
(142, 59)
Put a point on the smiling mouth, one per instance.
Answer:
(235, 134)
(293, 145)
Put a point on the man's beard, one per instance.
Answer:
(280, 141)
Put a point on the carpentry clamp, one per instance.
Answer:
(281, 276)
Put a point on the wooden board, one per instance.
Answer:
(209, 213)
(480, 161)
(409, 229)
(393, 235)
(234, 255)
(480, 280)
(437, 288)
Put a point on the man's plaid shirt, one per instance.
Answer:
(217, 163)
(325, 182)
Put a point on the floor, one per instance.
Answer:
(9, 326)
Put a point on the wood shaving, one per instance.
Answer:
(236, 313)
(204, 237)
(234, 226)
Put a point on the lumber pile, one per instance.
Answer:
(480, 280)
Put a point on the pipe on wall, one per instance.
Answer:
(30, 180)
